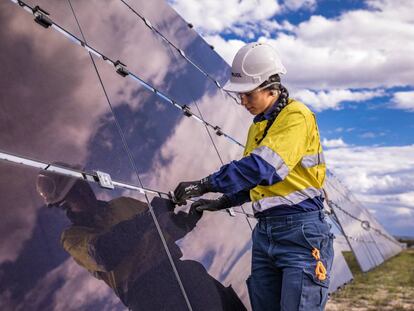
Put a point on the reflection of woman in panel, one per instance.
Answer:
(118, 243)
(282, 172)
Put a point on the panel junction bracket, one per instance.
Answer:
(187, 111)
(121, 68)
(231, 212)
(218, 130)
(41, 17)
(365, 225)
(147, 22)
(105, 180)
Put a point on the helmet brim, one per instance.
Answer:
(240, 87)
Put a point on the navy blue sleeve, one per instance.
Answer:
(243, 174)
(237, 199)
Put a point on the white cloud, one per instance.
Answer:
(403, 211)
(322, 100)
(333, 143)
(216, 16)
(382, 178)
(358, 49)
(404, 100)
(372, 135)
(299, 4)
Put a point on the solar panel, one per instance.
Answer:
(53, 106)
(36, 271)
(135, 94)
(364, 234)
(341, 274)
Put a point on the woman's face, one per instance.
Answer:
(257, 101)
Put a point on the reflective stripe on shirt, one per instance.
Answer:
(292, 198)
(313, 160)
(273, 159)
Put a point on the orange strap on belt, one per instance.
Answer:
(320, 269)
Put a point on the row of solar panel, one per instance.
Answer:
(369, 241)
(57, 106)
(60, 104)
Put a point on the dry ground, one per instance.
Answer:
(387, 287)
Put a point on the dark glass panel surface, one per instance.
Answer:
(212, 261)
(60, 13)
(167, 146)
(119, 34)
(52, 106)
(106, 250)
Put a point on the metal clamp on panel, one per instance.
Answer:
(120, 68)
(41, 17)
(105, 180)
(187, 111)
(148, 23)
(365, 225)
(218, 130)
(181, 52)
(231, 212)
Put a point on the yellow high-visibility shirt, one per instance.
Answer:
(292, 146)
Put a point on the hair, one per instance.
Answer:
(281, 103)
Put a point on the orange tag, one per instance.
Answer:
(316, 254)
(320, 271)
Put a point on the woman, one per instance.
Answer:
(282, 172)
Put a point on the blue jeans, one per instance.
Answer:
(283, 267)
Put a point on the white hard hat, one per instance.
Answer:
(253, 64)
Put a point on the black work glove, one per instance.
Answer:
(189, 189)
(211, 205)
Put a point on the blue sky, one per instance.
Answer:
(352, 63)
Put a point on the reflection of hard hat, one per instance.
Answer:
(54, 187)
(253, 64)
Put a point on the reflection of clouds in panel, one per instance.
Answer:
(220, 110)
(20, 204)
(187, 154)
(226, 257)
(119, 34)
(55, 92)
(70, 287)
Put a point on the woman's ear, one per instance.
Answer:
(275, 93)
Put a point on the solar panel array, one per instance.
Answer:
(130, 90)
(368, 239)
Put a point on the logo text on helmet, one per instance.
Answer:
(236, 74)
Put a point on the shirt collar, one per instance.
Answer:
(265, 116)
